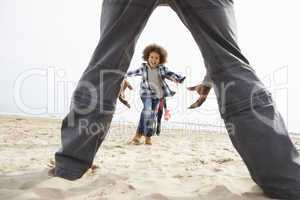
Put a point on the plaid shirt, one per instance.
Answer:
(164, 73)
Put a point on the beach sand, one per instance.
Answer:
(180, 164)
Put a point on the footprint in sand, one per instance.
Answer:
(39, 185)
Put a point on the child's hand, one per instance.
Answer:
(203, 91)
(167, 115)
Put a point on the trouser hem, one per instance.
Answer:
(68, 173)
(282, 193)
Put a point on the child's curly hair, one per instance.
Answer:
(155, 48)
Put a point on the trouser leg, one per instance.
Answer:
(140, 128)
(159, 116)
(153, 120)
(94, 99)
(255, 127)
(148, 116)
(145, 115)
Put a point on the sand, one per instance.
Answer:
(180, 164)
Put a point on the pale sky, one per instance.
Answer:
(55, 39)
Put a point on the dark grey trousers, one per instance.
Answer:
(254, 125)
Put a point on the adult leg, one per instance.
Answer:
(93, 101)
(255, 127)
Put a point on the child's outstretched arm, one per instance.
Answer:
(137, 72)
(173, 76)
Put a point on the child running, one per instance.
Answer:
(153, 88)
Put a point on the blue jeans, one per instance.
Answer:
(147, 122)
(255, 127)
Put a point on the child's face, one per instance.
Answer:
(153, 59)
